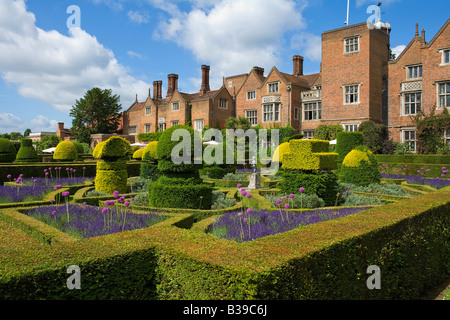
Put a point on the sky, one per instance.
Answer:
(51, 55)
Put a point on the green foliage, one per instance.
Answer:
(346, 142)
(234, 176)
(149, 152)
(138, 154)
(360, 167)
(65, 151)
(47, 142)
(309, 154)
(308, 201)
(180, 193)
(374, 135)
(327, 132)
(26, 152)
(402, 148)
(297, 136)
(149, 171)
(430, 130)
(220, 201)
(7, 151)
(111, 176)
(97, 112)
(324, 184)
(238, 123)
(113, 148)
(165, 143)
(149, 136)
(79, 146)
(216, 172)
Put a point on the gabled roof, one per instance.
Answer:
(289, 78)
(259, 77)
(446, 24)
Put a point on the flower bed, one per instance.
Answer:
(57, 181)
(434, 183)
(24, 193)
(84, 221)
(257, 224)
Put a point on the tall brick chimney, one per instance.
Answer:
(172, 84)
(157, 90)
(298, 65)
(205, 80)
(259, 71)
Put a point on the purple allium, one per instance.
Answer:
(301, 189)
(286, 205)
(239, 185)
(84, 203)
(53, 213)
(58, 186)
(9, 176)
(132, 199)
(126, 203)
(278, 201)
(240, 214)
(104, 210)
(243, 193)
(245, 219)
(65, 193)
(249, 210)
(52, 200)
(248, 195)
(291, 196)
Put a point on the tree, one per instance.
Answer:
(374, 135)
(97, 112)
(327, 132)
(430, 131)
(27, 133)
(239, 123)
(48, 142)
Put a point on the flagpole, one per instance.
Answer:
(348, 9)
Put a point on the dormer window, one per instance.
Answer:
(175, 106)
(351, 44)
(148, 111)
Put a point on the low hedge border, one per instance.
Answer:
(408, 240)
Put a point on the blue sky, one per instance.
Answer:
(125, 45)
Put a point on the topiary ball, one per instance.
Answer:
(26, 152)
(360, 167)
(149, 152)
(113, 148)
(66, 151)
(7, 150)
(280, 151)
(165, 144)
(78, 146)
(138, 154)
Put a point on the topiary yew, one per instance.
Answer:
(26, 152)
(360, 167)
(65, 151)
(112, 172)
(7, 151)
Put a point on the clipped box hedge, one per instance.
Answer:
(409, 241)
(309, 154)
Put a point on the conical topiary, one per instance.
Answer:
(7, 151)
(26, 152)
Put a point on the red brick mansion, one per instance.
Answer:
(357, 82)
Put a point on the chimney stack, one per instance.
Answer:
(298, 65)
(157, 92)
(259, 71)
(172, 84)
(205, 79)
(417, 29)
(423, 35)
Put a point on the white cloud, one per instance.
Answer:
(310, 45)
(360, 3)
(232, 35)
(55, 68)
(398, 50)
(138, 17)
(12, 123)
(133, 54)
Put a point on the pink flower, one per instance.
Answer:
(286, 205)
(248, 195)
(291, 195)
(104, 210)
(239, 185)
(240, 214)
(245, 219)
(84, 203)
(249, 210)
(52, 200)
(126, 203)
(301, 189)
(53, 213)
(65, 194)
(278, 201)
(9, 176)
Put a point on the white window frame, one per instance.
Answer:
(176, 106)
(272, 115)
(162, 126)
(445, 95)
(445, 56)
(199, 124)
(148, 111)
(357, 93)
(315, 108)
(230, 84)
(148, 127)
(417, 104)
(404, 138)
(174, 123)
(223, 103)
(252, 116)
(308, 134)
(251, 95)
(273, 87)
(350, 126)
(414, 72)
(350, 43)
(447, 137)
(132, 130)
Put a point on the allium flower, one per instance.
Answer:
(84, 203)
(104, 210)
(428, 170)
(132, 199)
(126, 203)
(349, 187)
(65, 194)
(9, 176)
(286, 205)
(291, 195)
(249, 210)
(52, 200)
(243, 193)
(301, 189)
(53, 213)
(278, 201)
(239, 185)
(240, 214)
(58, 186)
(248, 195)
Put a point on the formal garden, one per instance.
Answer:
(140, 226)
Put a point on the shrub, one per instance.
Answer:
(165, 143)
(26, 152)
(216, 172)
(138, 154)
(309, 154)
(149, 152)
(220, 201)
(234, 176)
(360, 167)
(327, 132)
(179, 193)
(297, 136)
(346, 142)
(374, 135)
(309, 201)
(114, 148)
(149, 171)
(7, 151)
(280, 151)
(79, 146)
(324, 184)
(65, 151)
(149, 136)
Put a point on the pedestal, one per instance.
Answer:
(255, 181)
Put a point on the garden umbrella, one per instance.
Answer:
(333, 141)
(49, 150)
